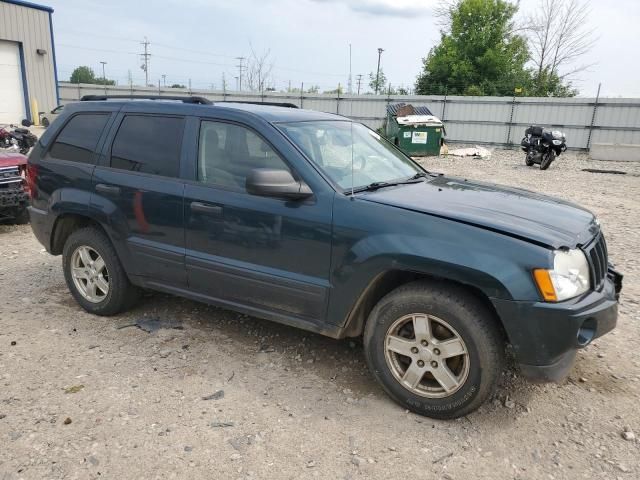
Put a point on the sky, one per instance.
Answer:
(308, 40)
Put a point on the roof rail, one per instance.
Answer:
(271, 104)
(97, 98)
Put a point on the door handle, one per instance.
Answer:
(111, 189)
(206, 208)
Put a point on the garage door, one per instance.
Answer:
(11, 93)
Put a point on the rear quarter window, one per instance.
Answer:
(78, 139)
(148, 144)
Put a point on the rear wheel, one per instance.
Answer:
(45, 122)
(94, 274)
(528, 162)
(435, 349)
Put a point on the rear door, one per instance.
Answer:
(140, 195)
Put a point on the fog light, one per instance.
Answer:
(586, 332)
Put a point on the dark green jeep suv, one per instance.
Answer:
(315, 221)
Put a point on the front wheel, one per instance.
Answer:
(435, 348)
(547, 160)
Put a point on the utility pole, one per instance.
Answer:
(224, 83)
(380, 50)
(164, 81)
(359, 77)
(350, 87)
(240, 69)
(145, 59)
(104, 79)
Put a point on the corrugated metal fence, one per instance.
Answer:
(479, 120)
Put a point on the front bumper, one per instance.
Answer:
(546, 336)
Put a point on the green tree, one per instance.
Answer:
(104, 81)
(478, 53)
(177, 85)
(83, 75)
(377, 81)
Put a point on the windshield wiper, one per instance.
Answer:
(417, 178)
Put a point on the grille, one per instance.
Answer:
(596, 252)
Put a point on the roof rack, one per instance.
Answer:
(97, 98)
(271, 104)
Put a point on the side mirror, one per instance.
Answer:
(268, 182)
(26, 123)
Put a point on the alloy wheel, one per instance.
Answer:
(89, 273)
(426, 355)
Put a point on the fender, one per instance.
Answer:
(497, 265)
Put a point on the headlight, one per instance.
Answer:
(557, 142)
(568, 278)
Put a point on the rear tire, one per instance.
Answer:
(528, 162)
(94, 274)
(446, 373)
(45, 122)
(21, 216)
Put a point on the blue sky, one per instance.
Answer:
(308, 39)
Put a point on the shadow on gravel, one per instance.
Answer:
(256, 340)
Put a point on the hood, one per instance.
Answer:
(10, 159)
(520, 213)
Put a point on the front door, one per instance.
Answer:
(269, 255)
(138, 188)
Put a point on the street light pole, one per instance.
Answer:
(380, 50)
(104, 78)
(164, 81)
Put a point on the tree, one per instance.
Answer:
(480, 51)
(178, 85)
(259, 68)
(83, 75)
(379, 81)
(558, 37)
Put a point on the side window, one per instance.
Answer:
(227, 153)
(148, 144)
(79, 138)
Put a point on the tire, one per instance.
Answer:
(120, 294)
(45, 122)
(528, 162)
(547, 160)
(476, 371)
(22, 216)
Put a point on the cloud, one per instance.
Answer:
(387, 8)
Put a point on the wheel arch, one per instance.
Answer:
(390, 280)
(67, 223)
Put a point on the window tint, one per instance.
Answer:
(79, 138)
(148, 144)
(229, 152)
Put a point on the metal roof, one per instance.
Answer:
(30, 5)
(392, 108)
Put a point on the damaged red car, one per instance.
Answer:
(14, 190)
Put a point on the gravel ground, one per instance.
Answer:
(88, 397)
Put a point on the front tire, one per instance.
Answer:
(435, 348)
(547, 160)
(94, 274)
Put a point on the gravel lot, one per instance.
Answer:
(88, 397)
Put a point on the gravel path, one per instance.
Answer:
(88, 397)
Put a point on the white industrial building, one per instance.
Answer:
(28, 81)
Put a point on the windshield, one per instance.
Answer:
(331, 145)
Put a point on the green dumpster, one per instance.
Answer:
(414, 130)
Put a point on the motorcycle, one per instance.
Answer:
(542, 146)
(20, 139)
